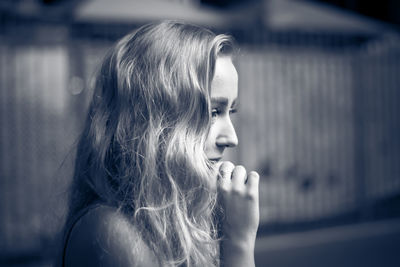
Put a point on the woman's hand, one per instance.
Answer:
(239, 199)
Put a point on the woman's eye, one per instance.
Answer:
(233, 111)
(214, 113)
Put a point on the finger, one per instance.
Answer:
(225, 170)
(224, 176)
(253, 180)
(238, 177)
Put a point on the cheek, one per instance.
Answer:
(211, 139)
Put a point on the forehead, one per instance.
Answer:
(225, 81)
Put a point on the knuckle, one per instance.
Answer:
(227, 164)
(236, 190)
(254, 175)
(226, 167)
(240, 168)
(240, 171)
(224, 188)
(251, 196)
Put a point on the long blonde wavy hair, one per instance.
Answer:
(142, 148)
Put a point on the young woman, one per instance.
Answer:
(150, 187)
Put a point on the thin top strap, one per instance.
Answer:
(71, 225)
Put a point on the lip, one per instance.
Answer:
(215, 160)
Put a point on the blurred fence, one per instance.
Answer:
(318, 120)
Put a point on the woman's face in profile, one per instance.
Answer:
(224, 93)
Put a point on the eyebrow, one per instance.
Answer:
(222, 101)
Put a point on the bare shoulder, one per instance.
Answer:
(105, 237)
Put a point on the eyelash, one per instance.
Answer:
(216, 112)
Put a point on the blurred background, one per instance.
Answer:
(319, 90)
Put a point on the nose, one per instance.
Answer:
(227, 136)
